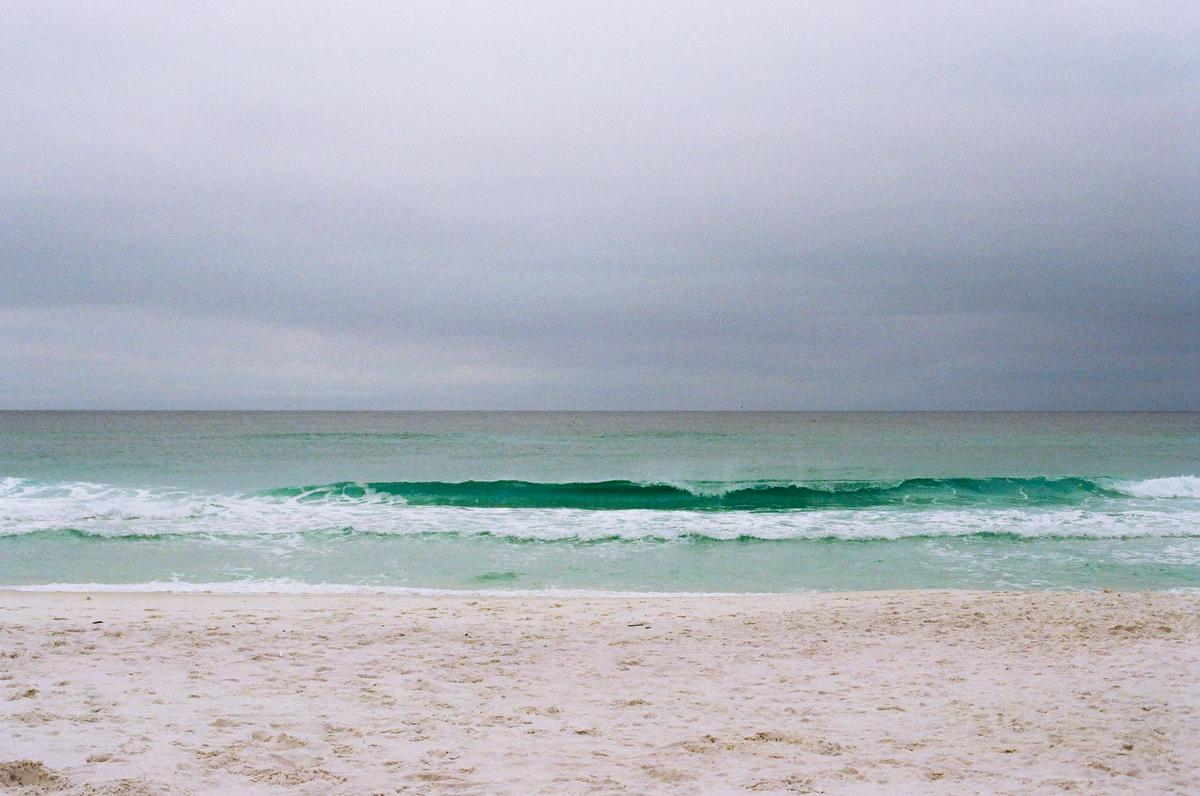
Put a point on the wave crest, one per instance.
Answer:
(710, 495)
(1181, 486)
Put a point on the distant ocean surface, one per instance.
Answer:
(646, 502)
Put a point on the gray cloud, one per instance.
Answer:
(622, 205)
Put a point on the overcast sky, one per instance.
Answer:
(605, 205)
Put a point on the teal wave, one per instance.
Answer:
(712, 496)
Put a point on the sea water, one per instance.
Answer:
(647, 502)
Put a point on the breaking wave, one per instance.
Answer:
(714, 495)
(619, 510)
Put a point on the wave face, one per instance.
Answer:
(722, 496)
(624, 510)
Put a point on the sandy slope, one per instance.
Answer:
(929, 692)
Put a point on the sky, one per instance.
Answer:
(609, 205)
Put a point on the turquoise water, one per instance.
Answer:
(600, 501)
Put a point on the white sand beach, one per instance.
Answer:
(895, 692)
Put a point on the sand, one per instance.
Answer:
(898, 692)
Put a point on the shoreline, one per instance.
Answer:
(933, 691)
(296, 589)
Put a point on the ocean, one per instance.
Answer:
(599, 501)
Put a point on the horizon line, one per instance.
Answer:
(279, 410)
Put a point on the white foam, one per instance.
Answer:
(1182, 486)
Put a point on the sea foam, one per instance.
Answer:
(1183, 486)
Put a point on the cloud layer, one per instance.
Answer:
(627, 205)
